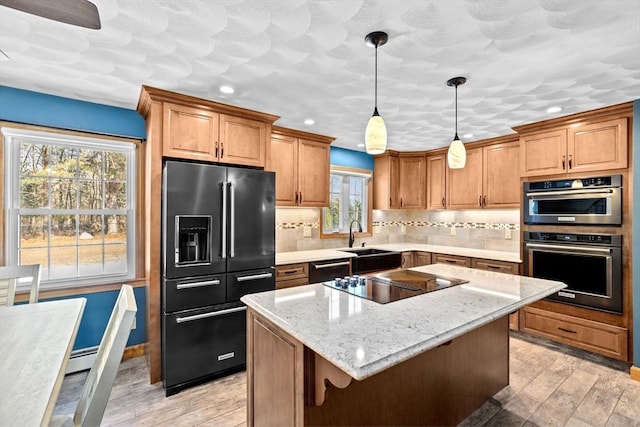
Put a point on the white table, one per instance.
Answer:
(35, 344)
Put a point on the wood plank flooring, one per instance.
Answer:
(550, 385)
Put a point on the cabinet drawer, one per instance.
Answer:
(497, 266)
(451, 259)
(292, 271)
(281, 284)
(421, 258)
(593, 336)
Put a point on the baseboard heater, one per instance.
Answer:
(82, 359)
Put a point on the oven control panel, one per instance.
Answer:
(602, 239)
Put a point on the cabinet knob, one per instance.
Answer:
(563, 157)
(221, 149)
(301, 197)
(570, 161)
(484, 201)
(480, 200)
(400, 201)
(295, 198)
(443, 202)
(216, 148)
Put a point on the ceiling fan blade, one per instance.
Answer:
(82, 13)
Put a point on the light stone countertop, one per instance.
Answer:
(283, 258)
(362, 337)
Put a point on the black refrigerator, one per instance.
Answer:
(218, 244)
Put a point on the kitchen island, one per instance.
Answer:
(320, 356)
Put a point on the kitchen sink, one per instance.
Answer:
(371, 259)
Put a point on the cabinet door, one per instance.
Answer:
(464, 186)
(598, 146)
(501, 176)
(313, 173)
(284, 162)
(411, 182)
(407, 260)
(189, 133)
(421, 258)
(544, 153)
(242, 141)
(385, 182)
(436, 173)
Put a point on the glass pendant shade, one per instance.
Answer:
(375, 136)
(457, 155)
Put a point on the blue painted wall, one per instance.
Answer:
(635, 232)
(351, 158)
(23, 106)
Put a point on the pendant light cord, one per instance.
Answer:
(456, 110)
(375, 106)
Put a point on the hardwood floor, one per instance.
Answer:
(550, 385)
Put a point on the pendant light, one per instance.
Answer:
(457, 155)
(375, 136)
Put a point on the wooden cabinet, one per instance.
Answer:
(490, 179)
(407, 260)
(436, 181)
(421, 258)
(411, 181)
(588, 147)
(301, 163)
(385, 181)
(291, 275)
(197, 133)
(586, 334)
(399, 181)
(500, 267)
(451, 259)
(497, 266)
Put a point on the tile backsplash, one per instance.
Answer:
(497, 230)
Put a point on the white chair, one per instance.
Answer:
(19, 275)
(99, 383)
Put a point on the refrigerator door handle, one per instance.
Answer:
(223, 254)
(254, 277)
(232, 225)
(209, 314)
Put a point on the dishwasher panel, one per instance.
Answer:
(322, 271)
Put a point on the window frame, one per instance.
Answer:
(10, 196)
(343, 170)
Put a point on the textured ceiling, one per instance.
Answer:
(304, 59)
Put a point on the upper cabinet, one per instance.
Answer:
(198, 129)
(490, 178)
(302, 166)
(412, 173)
(399, 181)
(385, 182)
(581, 144)
(436, 181)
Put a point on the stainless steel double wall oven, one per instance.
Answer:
(590, 263)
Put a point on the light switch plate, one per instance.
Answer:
(306, 231)
(403, 229)
(507, 233)
(453, 231)
(376, 229)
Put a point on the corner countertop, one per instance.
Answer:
(283, 258)
(362, 337)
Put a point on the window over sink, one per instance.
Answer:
(349, 199)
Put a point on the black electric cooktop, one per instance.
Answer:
(393, 286)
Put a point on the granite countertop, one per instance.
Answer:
(283, 258)
(362, 337)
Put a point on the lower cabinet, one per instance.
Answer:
(407, 260)
(421, 258)
(290, 275)
(500, 267)
(462, 261)
(586, 334)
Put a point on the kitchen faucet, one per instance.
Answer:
(351, 238)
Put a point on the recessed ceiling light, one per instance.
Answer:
(554, 109)
(467, 135)
(309, 121)
(360, 145)
(226, 89)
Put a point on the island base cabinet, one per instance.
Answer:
(289, 384)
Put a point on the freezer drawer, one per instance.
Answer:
(193, 292)
(250, 282)
(203, 342)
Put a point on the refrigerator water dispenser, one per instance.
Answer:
(192, 238)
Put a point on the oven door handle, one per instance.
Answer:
(592, 193)
(209, 314)
(569, 248)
